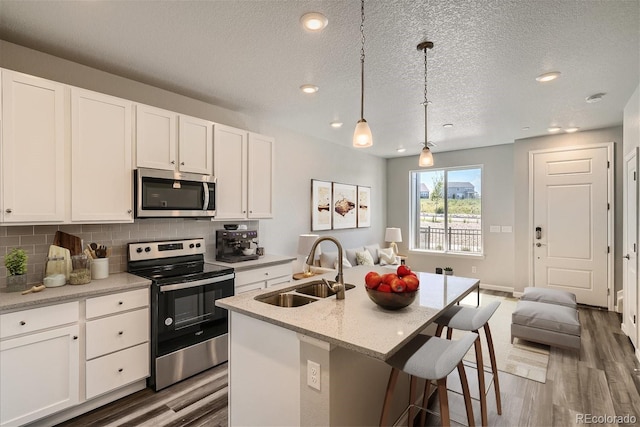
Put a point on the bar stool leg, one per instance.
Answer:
(425, 401)
(439, 330)
(444, 402)
(494, 367)
(481, 385)
(412, 399)
(393, 378)
(467, 395)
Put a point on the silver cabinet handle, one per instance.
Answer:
(129, 211)
(22, 323)
(9, 210)
(120, 332)
(627, 256)
(182, 163)
(173, 162)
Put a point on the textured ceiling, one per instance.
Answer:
(252, 56)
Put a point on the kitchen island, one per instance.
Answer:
(271, 381)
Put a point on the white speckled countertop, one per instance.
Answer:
(356, 323)
(263, 261)
(12, 301)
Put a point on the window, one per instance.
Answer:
(447, 210)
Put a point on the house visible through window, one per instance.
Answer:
(447, 210)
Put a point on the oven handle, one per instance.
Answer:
(196, 283)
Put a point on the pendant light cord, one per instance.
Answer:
(426, 102)
(362, 61)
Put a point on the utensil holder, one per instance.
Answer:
(100, 268)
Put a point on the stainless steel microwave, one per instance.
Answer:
(167, 194)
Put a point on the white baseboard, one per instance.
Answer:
(490, 287)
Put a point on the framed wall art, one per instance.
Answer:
(320, 205)
(364, 207)
(344, 206)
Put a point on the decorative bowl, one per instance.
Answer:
(230, 226)
(391, 300)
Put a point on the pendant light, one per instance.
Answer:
(362, 135)
(426, 158)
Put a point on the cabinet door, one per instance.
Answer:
(260, 179)
(101, 169)
(230, 160)
(33, 161)
(196, 145)
(40, 375)
(155, 138)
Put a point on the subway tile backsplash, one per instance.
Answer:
(36, 239)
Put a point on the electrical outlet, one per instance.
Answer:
(474, 269)
(313, 374)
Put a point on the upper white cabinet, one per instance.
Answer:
(243, 167)
(101, 166)
(171, 141)
(33, 149)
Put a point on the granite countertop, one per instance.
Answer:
(264, 261)
(12, 301)
(356, 323)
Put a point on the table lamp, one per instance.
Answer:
(393, 235)
(305, 242)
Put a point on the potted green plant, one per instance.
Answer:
(16, 264)
(448, 271)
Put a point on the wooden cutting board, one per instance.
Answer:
(68, 241)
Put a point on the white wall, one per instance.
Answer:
(496, 267)
(299, 158)
(631, 122)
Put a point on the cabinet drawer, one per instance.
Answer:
(116, 370)
(114, 333)
(262, 274)
(249, 287)
(21, 322)
(115, 303)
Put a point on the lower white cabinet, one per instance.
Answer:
(117, 344)
(39, 364)
(262, 277)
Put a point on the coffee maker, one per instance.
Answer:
(236, 245)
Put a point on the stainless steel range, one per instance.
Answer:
(188, 331)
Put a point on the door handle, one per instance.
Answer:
(540, 244)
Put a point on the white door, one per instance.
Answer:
(260, 178)
(571, 208)
(195, 145)
(229, 168)
(156, 138)
(630, 246)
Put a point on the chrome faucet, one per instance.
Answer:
(337, 287)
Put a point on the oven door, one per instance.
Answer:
(187, 313)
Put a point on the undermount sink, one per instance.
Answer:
(319, 289)
(285, 300)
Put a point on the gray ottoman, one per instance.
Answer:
(544, 323)
(550, 296)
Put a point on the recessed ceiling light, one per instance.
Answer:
(547, 77)
(314, 21)
(571, 130)
(336, 125)
(447, 125)
(554, 129)
(309, 88)
(526, 128)
(595, 98)
(401, 149)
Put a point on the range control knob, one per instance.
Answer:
(191, 245)
(147, 249)
(197, 245)
(139, 250)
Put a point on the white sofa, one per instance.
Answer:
(327, 261)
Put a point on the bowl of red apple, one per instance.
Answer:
(392, 291)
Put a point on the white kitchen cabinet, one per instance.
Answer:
(101, 166)
(171, 141)
(37, 347)
(262, 277)
(32, 149)
(243, 167)
(117, 344)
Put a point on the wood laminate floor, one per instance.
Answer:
(602, 379)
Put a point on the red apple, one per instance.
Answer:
(398, 285)
(384, 287)
(403, 270)
(388, 278)
(412, 283)
(372, 280)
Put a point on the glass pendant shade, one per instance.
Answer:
(362, 136)
(426, 158)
